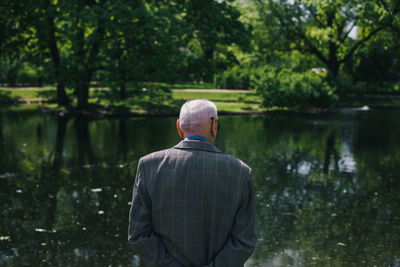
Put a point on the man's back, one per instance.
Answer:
(200, 204)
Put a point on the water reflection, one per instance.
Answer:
(327, 186)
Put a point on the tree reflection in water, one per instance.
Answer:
(326, 186)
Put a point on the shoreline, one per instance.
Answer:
(92, 115)
(229, 103)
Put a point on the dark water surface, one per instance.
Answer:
(328, 186)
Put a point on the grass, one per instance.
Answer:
(28, 94)
(50, 94)
(161, 84)
(183, 85)
(225, 102)
(176, 94)
(238, 107)
(159, 102)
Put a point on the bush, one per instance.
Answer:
(234, 78)
(347, 85)
(24, 75)
(286, 88)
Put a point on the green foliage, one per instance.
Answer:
(378, 64)
(285, 88)
(215, 25)
(324, 30)
(116, 42)
(236, 77)
(71, 43)
(6, 96)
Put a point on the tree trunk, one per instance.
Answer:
(89, 69)
(62, 98)
(83, 94)
(334, 64)
(333, 69)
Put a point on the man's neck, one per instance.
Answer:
(196, 137)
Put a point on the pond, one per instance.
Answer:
(327, 186)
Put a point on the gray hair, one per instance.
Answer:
(196, 113)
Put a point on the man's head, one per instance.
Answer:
(198, 117)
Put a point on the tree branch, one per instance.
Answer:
(313, 49)
(348, 32)
(385, 7)
(360, 42)
(316, 19)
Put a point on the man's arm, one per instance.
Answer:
(242, 241)
(140, 233)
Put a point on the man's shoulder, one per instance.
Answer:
(157, 154)
(235, 160)
(173, 151)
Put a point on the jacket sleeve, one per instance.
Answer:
(145, 242)
(241, 243)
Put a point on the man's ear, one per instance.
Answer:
(178, 126)
(213, 128)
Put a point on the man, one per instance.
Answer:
(193, 205)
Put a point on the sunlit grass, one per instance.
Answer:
(238, 107)
(24, 93)
(160, 84)
(176, 94)
(226, 102)
(183, 85)
(142, 104)
(31, 94)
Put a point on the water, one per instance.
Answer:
(327, 186)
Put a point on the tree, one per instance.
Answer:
(17, 39)
(85, 30)
(324, 29)
(47, 31)
(144, 44)
(378, 62)
(29, 36)
(124, 33)
(126, 40)
(381, 52)
(214, 23)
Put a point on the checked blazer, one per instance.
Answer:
(192, 205)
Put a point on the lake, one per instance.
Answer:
(327, 186)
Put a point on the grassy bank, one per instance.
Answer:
(146, 102)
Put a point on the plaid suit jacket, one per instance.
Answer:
(192, 206)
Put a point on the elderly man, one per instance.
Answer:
(193, 205)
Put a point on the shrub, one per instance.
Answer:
(234, 78)
(286, 88)
(347, 85)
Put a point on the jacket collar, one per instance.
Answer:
(197, 145)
